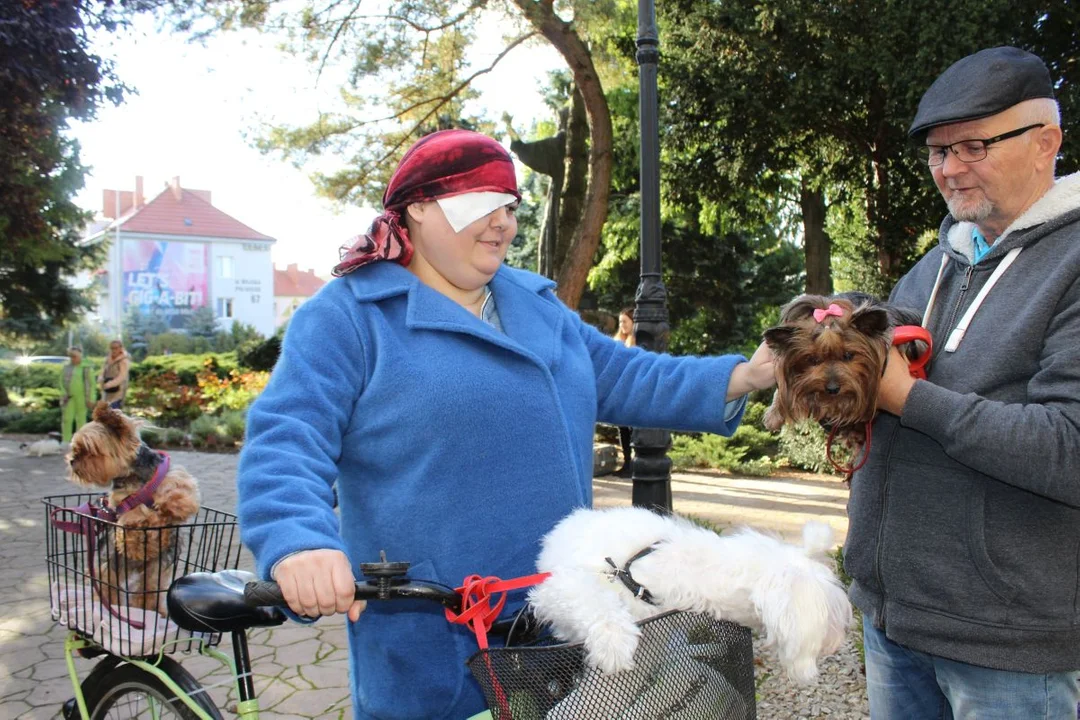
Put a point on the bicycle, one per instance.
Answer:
(688, 665)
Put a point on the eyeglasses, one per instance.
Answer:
(966, 151)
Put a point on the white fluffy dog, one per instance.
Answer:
(745, 577)
(41, 448)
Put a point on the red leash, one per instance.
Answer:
(917, 367)
(478, 614)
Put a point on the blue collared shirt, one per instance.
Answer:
(981, 247)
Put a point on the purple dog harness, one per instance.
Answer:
(91, 512)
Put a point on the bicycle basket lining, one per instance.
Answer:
(688, 666)
(114, 599)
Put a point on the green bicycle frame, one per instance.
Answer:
(247, 710)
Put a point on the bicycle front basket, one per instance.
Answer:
(688, 666)
(108, 582)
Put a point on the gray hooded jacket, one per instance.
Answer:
(964, 536)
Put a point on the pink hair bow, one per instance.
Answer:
(833, 309)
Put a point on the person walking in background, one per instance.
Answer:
(624, 333)
(965, 519)
(454, 401)
(76, 393)
(114, 375)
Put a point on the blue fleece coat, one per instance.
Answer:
(457, 448)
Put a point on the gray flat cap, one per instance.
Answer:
(982, 85)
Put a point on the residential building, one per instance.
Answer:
(291, 288)
(178, 253)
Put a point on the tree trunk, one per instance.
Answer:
(816, 243)
(577, 181)
(561, 35)
(547, 157)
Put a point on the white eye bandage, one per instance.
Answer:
(463, 210)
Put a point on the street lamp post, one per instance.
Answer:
(652, 467)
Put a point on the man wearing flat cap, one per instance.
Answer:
(964, 539)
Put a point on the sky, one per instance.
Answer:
(196, 101)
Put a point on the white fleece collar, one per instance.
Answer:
(1062, 197)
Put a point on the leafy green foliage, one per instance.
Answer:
(803, 445)
(721, 273)
(824, 92)
(37, 422)
(260, 354)
(186, 367)
(749, 451)
(47, 78)
(21, 378)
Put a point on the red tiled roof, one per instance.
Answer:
(189, 214)
(291, 282)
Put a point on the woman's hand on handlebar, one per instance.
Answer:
(319, 582)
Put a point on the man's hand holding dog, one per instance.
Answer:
(319, 582)
(895, 384)
(756, 374)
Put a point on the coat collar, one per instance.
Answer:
(532, 322)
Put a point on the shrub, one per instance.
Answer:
(36, 422)
(232, 392)
(748, 451)
(27, 377)
(175, 342)
(803, 445)
(152, 436)
(186, 367)
(259, 354)
(175, 437)
(10, 414)
(209, 431)
(40, 398)
(161, 397)
(235, 423)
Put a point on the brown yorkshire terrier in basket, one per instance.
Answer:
(830, 356)
(146, 496)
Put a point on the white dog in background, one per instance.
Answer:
(746, 577)
(40, 448)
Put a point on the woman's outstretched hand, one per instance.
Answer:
(757, 373)
(319, 582)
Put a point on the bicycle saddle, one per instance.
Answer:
(214, 602)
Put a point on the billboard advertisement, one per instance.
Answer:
(167, 279)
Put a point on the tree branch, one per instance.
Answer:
(441, 101)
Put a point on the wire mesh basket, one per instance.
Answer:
(688, 666)
(109, 583)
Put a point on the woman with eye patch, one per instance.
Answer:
(453, 400)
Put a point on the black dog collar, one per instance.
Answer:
(623, 575)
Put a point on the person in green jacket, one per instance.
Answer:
(76, 394)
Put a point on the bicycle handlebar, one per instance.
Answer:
(268, 593)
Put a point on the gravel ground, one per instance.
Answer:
(840, 692)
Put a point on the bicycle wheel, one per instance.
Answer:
(127, 691)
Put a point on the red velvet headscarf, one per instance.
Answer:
(442, 164)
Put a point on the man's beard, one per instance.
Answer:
(971, 211)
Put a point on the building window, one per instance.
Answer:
(224, 308)
(225, 266)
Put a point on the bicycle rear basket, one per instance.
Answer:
(688, 666)
(108, 582)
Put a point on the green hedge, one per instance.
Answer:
(185, 366)
(35, 422)
(21, 378)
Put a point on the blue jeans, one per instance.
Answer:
(906, 684)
